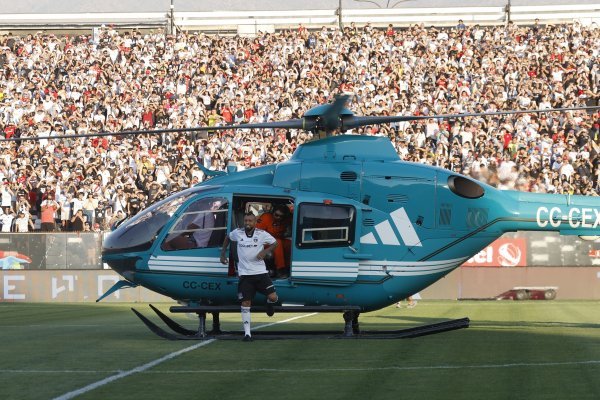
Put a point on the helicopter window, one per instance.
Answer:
(325, 225)
(203, 224)
(139, 232)
(259, 208)
(465, 187)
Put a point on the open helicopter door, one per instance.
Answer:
(326, 244)
(194, 240)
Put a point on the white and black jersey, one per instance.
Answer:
(248, 248)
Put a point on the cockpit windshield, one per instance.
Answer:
(139, 232)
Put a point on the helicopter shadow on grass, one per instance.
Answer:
(535, 324)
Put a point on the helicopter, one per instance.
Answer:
(366, 228)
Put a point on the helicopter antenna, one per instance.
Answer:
(208, 172)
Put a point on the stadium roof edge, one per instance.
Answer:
(248, 18)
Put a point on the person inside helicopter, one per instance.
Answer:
(278, 223)
(203, 225)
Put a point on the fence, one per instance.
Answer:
(35, 251)
(573, 283)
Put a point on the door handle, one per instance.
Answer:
(358, 256)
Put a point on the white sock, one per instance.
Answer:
(246, 320)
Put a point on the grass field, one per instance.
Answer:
(513, 350)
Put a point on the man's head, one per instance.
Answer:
(280, 212)
(249, 222)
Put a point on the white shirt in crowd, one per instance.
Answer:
(77, 205)
(6, 198)
(22, 224)
(6, 220)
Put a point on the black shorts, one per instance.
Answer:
(250, 284)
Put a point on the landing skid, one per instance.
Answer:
(351, 326)
(181, 332)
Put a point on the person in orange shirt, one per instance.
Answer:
(277, 224)
(49, 208)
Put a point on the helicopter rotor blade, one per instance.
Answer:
(329, 117)
(289, 124)
(355, 122)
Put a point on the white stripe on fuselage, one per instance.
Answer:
(313, 268)
(323, 263)
(187, 263)
(183, 258)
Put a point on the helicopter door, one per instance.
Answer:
(326, 245)
(194, 240)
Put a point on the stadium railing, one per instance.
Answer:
(250, 23)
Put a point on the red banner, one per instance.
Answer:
(504, 252)
(594, 253)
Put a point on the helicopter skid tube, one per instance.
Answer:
(351, 329)
(418, 331)
(164, 334)
(181, 332)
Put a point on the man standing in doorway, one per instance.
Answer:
(251, 267)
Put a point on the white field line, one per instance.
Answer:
(310, 370)
(124, 374)
(154, 363)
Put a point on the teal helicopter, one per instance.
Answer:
(365, 228)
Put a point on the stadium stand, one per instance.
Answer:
(125, 80)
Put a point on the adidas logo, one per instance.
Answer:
(388, 236)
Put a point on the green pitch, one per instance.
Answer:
(513, 350)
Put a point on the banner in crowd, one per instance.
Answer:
(538, 249)
(504, 252)
(68, 286)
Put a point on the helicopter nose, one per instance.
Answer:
(121, 263)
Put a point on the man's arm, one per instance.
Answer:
(267, 251)
(224, 259)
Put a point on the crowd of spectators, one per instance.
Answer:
(121, 81)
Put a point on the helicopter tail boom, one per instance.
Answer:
(567, 214)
